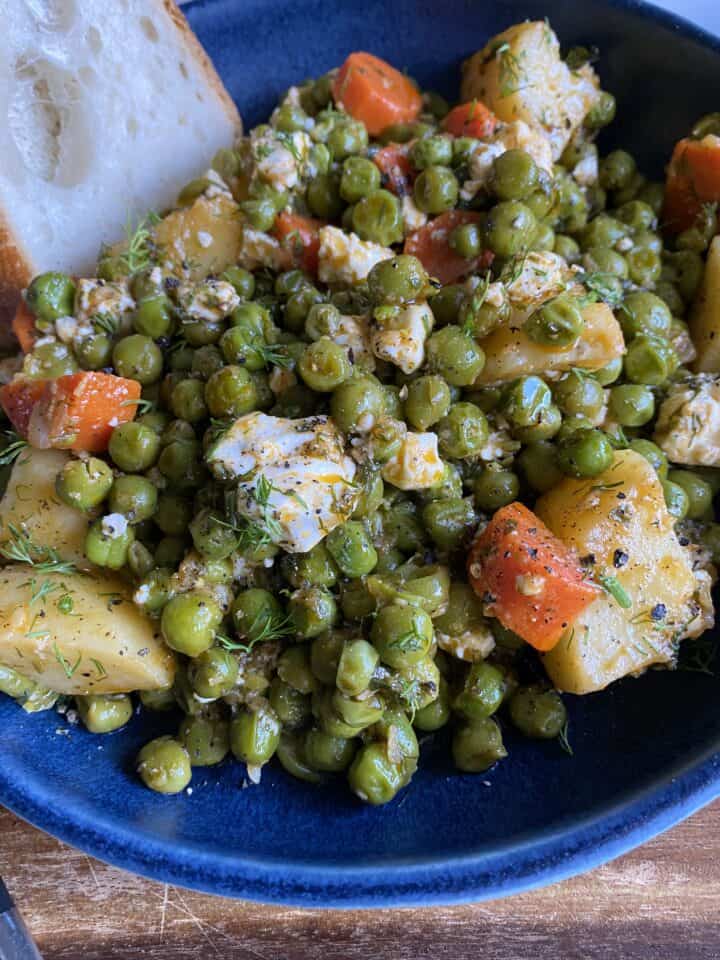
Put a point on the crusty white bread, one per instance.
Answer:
(109, 107)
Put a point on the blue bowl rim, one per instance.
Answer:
(532, 860)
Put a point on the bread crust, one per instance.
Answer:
(16, 272)
(198, 53)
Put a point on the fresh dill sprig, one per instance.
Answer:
(513, 77)
(38, 592)
(141, 405)
(15, 446)
(265, 627)
(616, 590)
(599, 286)
(286, 139)
(138, 253)
(272, 354)
(106, 322)
(21, 549)
(68, 669)
(412, 639)
(473, 305)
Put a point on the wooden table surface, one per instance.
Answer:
(660, 902)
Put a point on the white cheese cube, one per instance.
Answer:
(345, 259)
(295, 480)
(688, 425)
(417, 465)
(400, 336)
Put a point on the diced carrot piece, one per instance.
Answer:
(375, 93)
(528, 578)
(430, 244)
(471, 119)
(693, 178)
(19, 398)
(23, 326)
(75, 412)
(301, 237)
(396, 169)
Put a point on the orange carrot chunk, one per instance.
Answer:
(75, 412)
(693, 178)
(431, 245)
(395, 168)
(471, 119)
(301, 237)
(375, 93)
(528, 578)
(23, 326)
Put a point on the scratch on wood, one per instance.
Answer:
(163, 911)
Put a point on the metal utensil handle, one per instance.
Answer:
(15, 940)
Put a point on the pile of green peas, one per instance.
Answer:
(334, 660)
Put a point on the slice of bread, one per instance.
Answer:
(108, 107)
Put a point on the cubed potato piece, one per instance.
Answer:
(619, 519)
(99, 644)
(202, 238)
(520, 75)
(510, 353)
(688, 424)
(31, 505)
(705, 315)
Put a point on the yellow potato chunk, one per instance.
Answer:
(202, 238)
(705, 315)
(520, 75)
(31, 505)
(510, 353)
(79, 634)
(619, 519)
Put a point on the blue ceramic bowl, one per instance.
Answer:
(646, 751)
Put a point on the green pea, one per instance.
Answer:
(294, 666)
(644, 312)
(372, 491)
(543, 201)
(436, 190)
(604, 232)
(256, 611)
(638, 215)
(446, 304)
(558, 322)
(324, 365)
(436, 714)
(616, 170)
(351, 549)
(230, 392)
(514, 175)
(189, 622)
(316, 567)
(103, 714)
(377, 217)
(483, 692)
(653, 454)
(326, 753)
(159, 701)
(107, 543)
(605, 261)
(140, 560)
(153, 317)
(254, 736)
(584, 453)
(466, 240)
(602, 112)
(687, 267)
(291, 754)
(546, 425)
(347, 138)
(187, 400)
(479, 315)
(153, 590)
(291, 706)
(401, 635)
(138, 358)
(357, 714)
(94, 351)
(212, 537)
(164, 766)
(644, 266)
(241, 344)
(477, 746)
(524, 400)
(398, 280)
(50, 296)
(699, 492)
(649, 360)
(631, 405)
(356, 667)
(495, 488)
(324, 198)
(134, 446)
(537, 713)
(463, 432)
(355, 402)
(242, 280)
(578, 394)
(449, 486)
(312, 610)
(48, 361)
(170, 552)
(455, 356)
(84, 484)
(173, 514)
(373, 776)
(206, 739)
(134, 497)
(509, 228)
(432, 151)
(427, 401)
(290, 118)
(360, 177)
(566, 247)
(214, 673)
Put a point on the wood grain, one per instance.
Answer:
(661, 901)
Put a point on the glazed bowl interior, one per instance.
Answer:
(644, 750)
